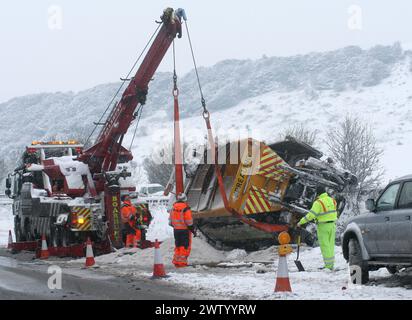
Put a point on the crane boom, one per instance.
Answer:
(104, 154)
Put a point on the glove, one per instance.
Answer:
(193, 230)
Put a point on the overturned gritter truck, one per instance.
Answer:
(271, 184)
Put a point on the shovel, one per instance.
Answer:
(297, 262)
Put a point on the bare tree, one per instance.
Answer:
(353, 146)
(159, 166)
(301, 133)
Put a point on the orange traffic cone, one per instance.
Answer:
(89, 254)
(158, 269)
(9, 245)
(282, 279)
(44, 253)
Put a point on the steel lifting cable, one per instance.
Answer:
(124, 81)
(202, 99)
(206, 116)
(139, 115)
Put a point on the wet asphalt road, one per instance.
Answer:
(24, 278)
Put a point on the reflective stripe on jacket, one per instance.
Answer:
(323, 210)
(181, 216)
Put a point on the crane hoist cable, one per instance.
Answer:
(138, 115)
(213, 148)
(124, 80)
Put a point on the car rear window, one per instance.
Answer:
(405, 198)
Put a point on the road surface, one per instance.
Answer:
(24, 278)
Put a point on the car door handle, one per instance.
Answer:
(387, 218)
(408, 217)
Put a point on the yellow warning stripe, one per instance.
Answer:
(85, 213)
(85, 226)
(263, 197)
(249, 207)
(269, 156)
(257, 201)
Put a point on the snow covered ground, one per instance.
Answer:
(253, 276)
(241, 275)
(237, 274)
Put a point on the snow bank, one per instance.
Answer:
(137, 259)
(236, 255)
(159, 227)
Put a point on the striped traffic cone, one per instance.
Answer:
(44, 253)
(9, 245)
(282, 278)
(89, 254)
(158, 268)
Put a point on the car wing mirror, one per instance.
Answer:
(370, 205)
(8, 183)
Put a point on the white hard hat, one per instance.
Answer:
(182, 197)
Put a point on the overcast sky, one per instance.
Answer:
(96, 41)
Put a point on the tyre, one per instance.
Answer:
(27, 231)
(65, 237)
(392, 269)
(55, 236)
(355, 259)
(17, 230)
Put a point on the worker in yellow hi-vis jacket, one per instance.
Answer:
(325, 214)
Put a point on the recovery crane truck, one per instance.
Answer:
(70, 194)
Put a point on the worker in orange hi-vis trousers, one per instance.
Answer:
(182, 222)
(128, 213)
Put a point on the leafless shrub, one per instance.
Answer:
(353, 146)
(301, 133)
(157, 169)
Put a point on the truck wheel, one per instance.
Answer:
(27, 231)
(65, 237)
(55, 236)
(355, 259)
(17, 230)
(392, 269)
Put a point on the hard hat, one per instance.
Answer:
(124, 197)
(182, 197)
(320, 189)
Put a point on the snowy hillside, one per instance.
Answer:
(261, 97)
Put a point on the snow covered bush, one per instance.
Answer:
(353, 146)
